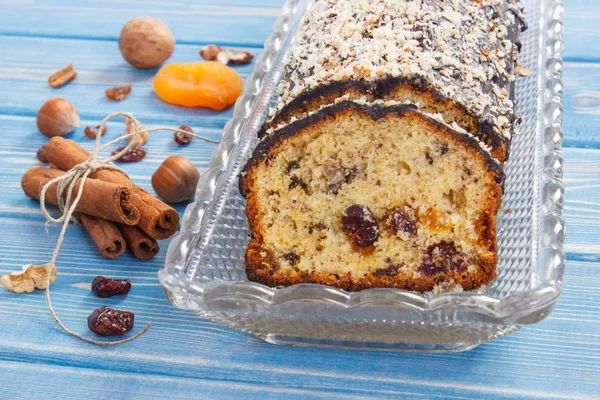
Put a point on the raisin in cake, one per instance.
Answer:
(382, 163)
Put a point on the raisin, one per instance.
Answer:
(105, 287)
(105, 321)
(292, 165)
(318, 227)
(356, 217)
(183, 138)
(296, 181)
(443, 257)
(92, 131)
(292, 257)
(401, 221)
(361, 224)
(134, 154)
(41, 155)
(429, 158)
(390, 270)
(443, 149)
(118, 93)
(365, 237)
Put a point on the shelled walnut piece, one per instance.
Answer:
(29, 279)
(226, 55)
(141, 137)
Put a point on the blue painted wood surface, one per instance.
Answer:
(183, 356)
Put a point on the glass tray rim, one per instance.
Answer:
(214, 183)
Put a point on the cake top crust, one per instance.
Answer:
(465, 49)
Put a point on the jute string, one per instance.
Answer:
(67, 204)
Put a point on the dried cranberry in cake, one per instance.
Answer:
(365, 237)
(443, 257)
(356, 217)
(390, 270)
(361, 224)
(402, 220)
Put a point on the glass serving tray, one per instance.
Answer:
(204, 270)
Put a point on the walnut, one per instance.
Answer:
(142, 136)
(225, 55)
(29, 278)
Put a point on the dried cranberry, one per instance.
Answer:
(183, 138)
(356, 217)
(105, 321)
(365, 237)
(390, 270)
(134, 154)
(105, 287)
(401, 221)
(41, 155)
(443, 257)
(361, 224)
(92, 131)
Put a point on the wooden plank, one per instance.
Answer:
(17, 377)
(188, 347)
(24, 87)
(192, 22)
(581, 31)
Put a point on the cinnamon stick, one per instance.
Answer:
(157, 219)
(100, 199)
(141, 245)
(105, 235)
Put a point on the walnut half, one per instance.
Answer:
(29, 278)
(226, 55)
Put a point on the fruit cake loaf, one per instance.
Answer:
(381, 165)
(456, 58)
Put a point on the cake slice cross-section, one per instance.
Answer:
(365, 195)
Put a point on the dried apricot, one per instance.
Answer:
(204, 84)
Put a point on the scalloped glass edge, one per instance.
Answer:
(522, 308)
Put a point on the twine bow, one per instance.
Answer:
(66, 185)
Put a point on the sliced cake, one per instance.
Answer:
(359, 196)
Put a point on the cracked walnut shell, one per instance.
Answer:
(29, 278)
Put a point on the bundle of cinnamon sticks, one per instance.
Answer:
(116, 212)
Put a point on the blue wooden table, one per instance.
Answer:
(183, 356)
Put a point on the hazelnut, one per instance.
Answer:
(57, 117)
(175, 179)
(146, 42)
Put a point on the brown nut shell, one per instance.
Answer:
(176, 179)
(57, 117)
(146, 42)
